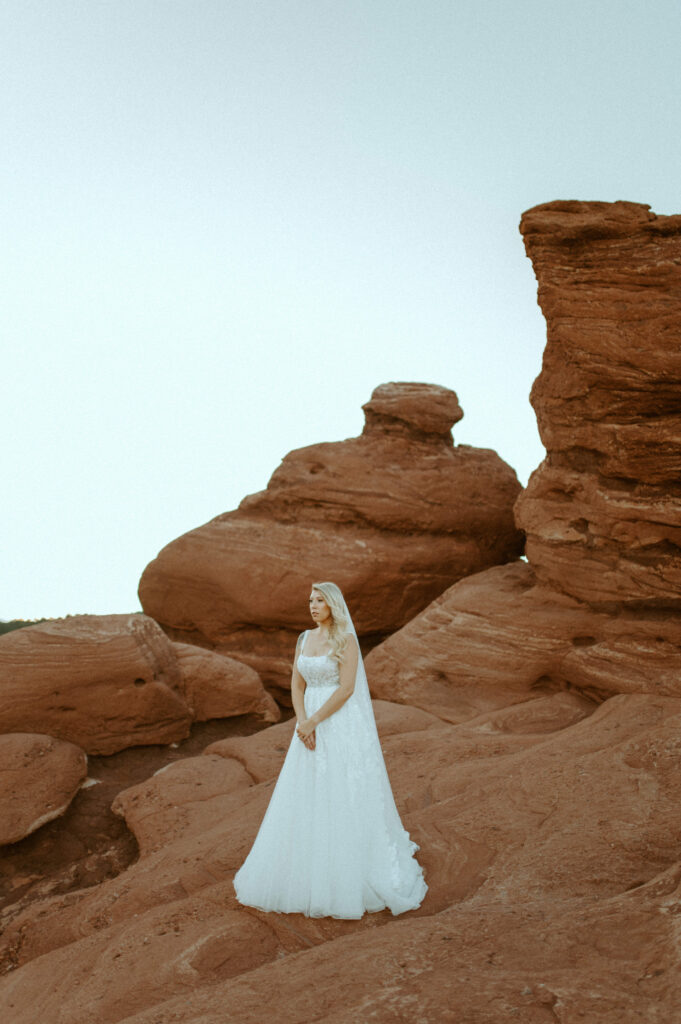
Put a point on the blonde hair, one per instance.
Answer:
(340, 624)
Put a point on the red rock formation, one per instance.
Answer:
(500, 639)
(174, 802)
(596, 610)
(39, 777)
(603, 512)
(215, 686)
(106, 682)
(554, 879)
(393, 516)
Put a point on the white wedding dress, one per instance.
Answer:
(331, 842)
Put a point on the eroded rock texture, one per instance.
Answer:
(215, 686)
(106, 682)
(502, 639)
(394, 516)
(551, 853)
(39, 777)
(603, 512)
(595, 612)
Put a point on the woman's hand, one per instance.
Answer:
(306, 732)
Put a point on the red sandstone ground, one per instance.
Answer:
(89, 843)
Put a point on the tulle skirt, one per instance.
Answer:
(331, 842)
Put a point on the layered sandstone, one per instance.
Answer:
(215, 686)
(602, 513)
(503, 640)
(394, 516)
(106, 682)
(595, 612)
(39, 777)
(551, 857)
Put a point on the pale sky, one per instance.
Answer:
(224, 223)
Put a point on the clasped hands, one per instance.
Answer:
(306, 732)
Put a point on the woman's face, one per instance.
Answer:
(319, 609)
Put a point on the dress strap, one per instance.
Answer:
(302, 642)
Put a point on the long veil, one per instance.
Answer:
(374, 765)
(361, 694)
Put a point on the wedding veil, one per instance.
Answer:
(361, 692)
(361, 695)
(374, 770)
(367, 775)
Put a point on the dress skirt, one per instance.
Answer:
(331, 843)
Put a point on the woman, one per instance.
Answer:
(331, 842)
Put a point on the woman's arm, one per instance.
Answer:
(298, 686)
(348, 671)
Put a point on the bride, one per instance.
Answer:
(331, 842)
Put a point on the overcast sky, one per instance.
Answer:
(224, 223)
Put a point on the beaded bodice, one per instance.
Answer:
(319, 669)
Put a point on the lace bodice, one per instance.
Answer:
(319, 669)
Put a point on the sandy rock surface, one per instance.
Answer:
(89, 843)
(552, 860)
(501, 638)
(104, 682)
(177, 799)
(394, 516)
(216, 686)
(39, 776)
(107, 682)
